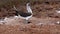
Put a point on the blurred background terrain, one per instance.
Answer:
(44, 11)
(41, 8)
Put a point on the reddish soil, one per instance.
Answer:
(44, 20)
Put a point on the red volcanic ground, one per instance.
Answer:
(45, 20)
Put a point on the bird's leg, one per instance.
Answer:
(26, 21)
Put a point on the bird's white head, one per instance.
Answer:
(28, 4)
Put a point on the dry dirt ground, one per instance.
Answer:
(16, 25)
(44, 21)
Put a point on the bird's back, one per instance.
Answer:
(24, 14)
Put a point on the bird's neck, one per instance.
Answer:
(29, 9)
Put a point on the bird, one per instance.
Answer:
(24, 15)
